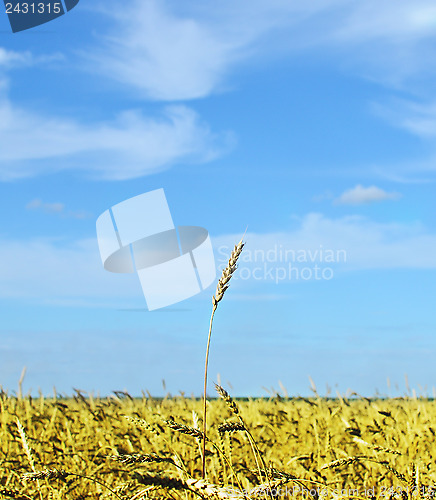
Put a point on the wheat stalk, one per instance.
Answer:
(223, 284)
(46, 474)
(225, 396)
(142, 423)
(26, 446)
(342, 462)
(352, 460)
(377, 447)
(230, 427)
(138, 458)
(234, 408)
(184, 429)
(61, 474)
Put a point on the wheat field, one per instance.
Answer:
(121, 447)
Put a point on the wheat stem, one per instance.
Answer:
(222, 286)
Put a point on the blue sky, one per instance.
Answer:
(314, 126)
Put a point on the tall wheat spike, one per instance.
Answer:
(221, 288)
(26, 446)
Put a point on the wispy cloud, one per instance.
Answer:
(10, 58)
(361, 195)
(164, 55)
(417, 117)
(13, 59)
(174, 51)
(408, 20)
(51, 208)
(129, 146)
(357, 243)
(56, 208)
(394, 42)
(60, 272)
(185, 51)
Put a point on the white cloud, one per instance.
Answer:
(417, 117)
(9, 58)
(12, 59)
(56, 208)
(171, 50)
(360, 195)
(130, 146)
(59, 272)
(38, 204)
(175, 51)
(361, 242)
(395, 22)
(165, 56)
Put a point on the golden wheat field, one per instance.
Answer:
(120, 447)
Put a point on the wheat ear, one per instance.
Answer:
(235, 410)
(25, 444)
(51, 474)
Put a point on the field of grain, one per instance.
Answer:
(120, 447)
